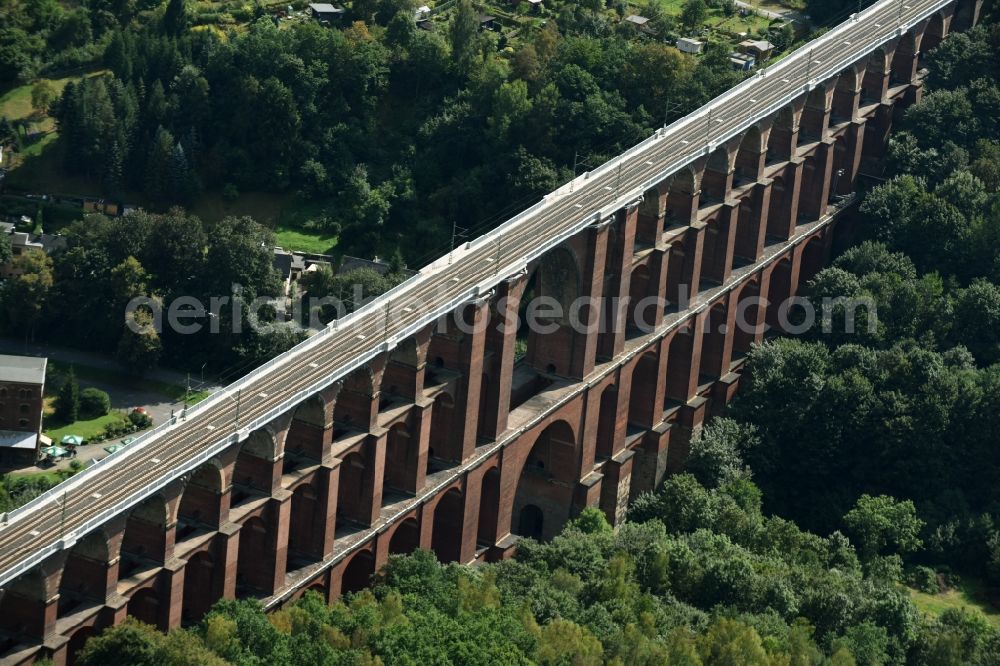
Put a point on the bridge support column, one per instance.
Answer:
(783, 217)
(467, 399)
(816, 194)
(373, 452)
(852, 161)
(615, 486)
(329, 477)
(752, 226)
(501, 338)
(720, 265)
(689, 423)
(597, 254)
(618, 269)
(650, 463)
(685, 266)
(172, 586)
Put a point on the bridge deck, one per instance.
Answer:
(57, 519)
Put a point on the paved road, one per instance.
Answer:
(103, 491)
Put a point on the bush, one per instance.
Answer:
(924, 579)
(140, 420)
(94, 403)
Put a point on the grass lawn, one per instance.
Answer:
(291, 238)
(968, 595)
(87, 429)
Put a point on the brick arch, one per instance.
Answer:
(682, 194)
(402, 457)
(642, 315)
(546, 479)
(405, 537)
(305, 437)
(815, 121)
(643, 408)
(351, 489)
(145, 606)
(253, 573)
(445, 443)
(354, 400)
(876, 68)
(714, 359)
(557, 275)
(201, 588)
(782, 142)
(306, 528)
(489, 506)
(201, 496)
(607, 422)
(750, 155)
(680, 350)
(779, 289)
(22, 604)
(83, 580)
(934, 34)
(748, 320)
(144, 540)
(357, 573)
(904, 59)
(253, 470)
(716, 176)
(448, 526)
(845, 94)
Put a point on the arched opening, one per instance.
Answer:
(448, 528)
(714, 360)
(358, 573)
(489, 507)
(874, 85)
(545, 338)
(616, 267)
(406, 538)
(145, 606)
(76, 643)
(548, 477)
(402, 454)
(966, 15)
(680, 269)
(778, 292)
(845, 97)
(813, 259)
(254, 575)
(607, 422)
(643, 407)
(253, 474)
(843, 167)
(780, 226)
(201, 503)
(304, 441)
(144, 541)
(815, 115)
(679, 380)
(643, 313)
(201, 589)
(23, 609)
(531, 522)
(781, 144)
(715, 262)
(350, 490)
(747, 321)
(904, 60)
(681, 198)
(718, 177)
(445, 446)
(401, 375)
(934, 34)
(750, 158)
(356, 407)
(84, 581)
(305, 528)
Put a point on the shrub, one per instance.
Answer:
(94, 403)
(924, 579)
(140, 420)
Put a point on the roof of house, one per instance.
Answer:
(638, 20)
(22, 369)
(326, 8)
(486, 18)
(759, 44)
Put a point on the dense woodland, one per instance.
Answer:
(884, 442)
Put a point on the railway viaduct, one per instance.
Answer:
(384, 436)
